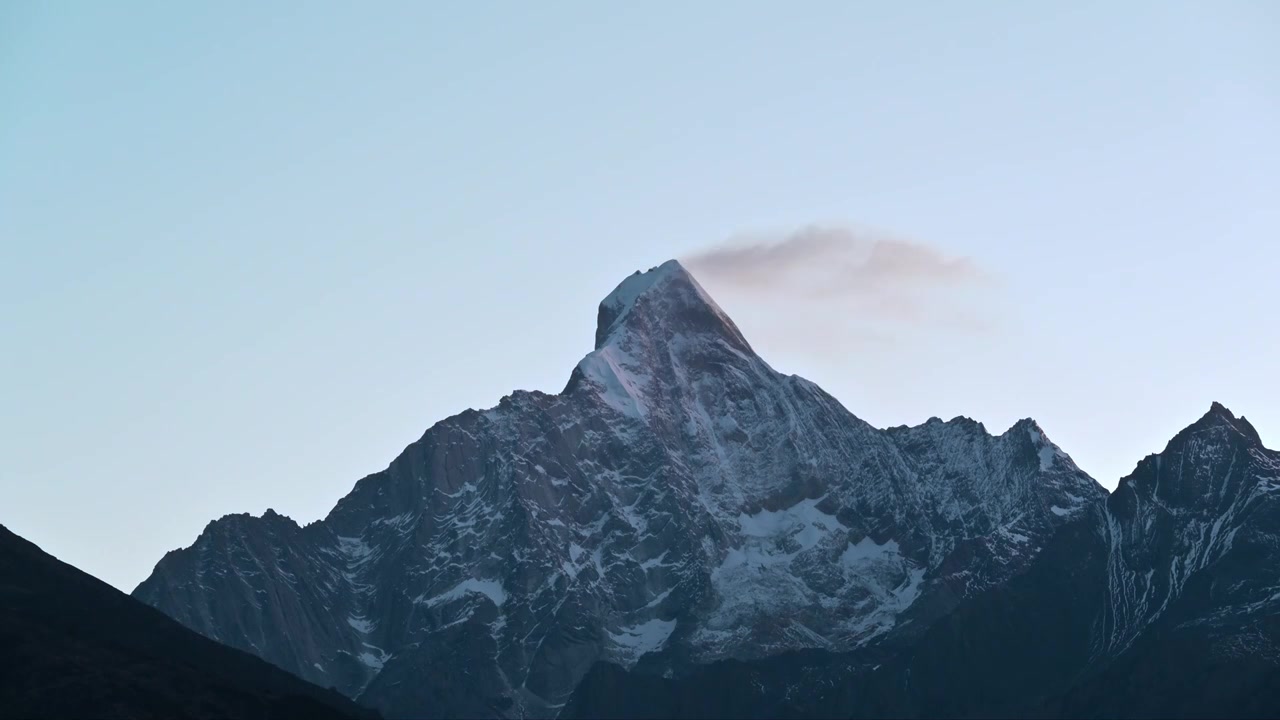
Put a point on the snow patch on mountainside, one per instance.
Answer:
(888, 583)
(621, 382)
(1046, 450)
(867, 551)
(491, 589)
(769, 531)
(632, 642)
(377, 660)
(783, 565)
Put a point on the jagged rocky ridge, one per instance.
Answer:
(1162, 601)
(680, 506)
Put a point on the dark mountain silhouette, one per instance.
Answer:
(72, 646)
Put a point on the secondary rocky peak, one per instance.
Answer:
(1218, 420)
(1028, 425)
(661, 302)
(1203, 466)
(1217, 415)
(967, 423)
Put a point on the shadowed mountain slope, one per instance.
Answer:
(72, 646)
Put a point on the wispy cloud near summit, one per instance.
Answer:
(863, 275)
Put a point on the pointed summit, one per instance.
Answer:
(655, 330)
(1219, 416)
(1198, 467)
(662, 302)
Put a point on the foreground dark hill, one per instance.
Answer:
(72, 646)
(680, 504)
(1163, 602)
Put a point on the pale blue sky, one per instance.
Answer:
(249, 251)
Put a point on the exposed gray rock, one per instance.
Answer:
(679, 503)
(1164, 602)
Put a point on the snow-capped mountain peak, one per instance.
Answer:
(679, 503)
(659, 303)
(655, 330)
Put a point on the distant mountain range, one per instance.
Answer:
(685, 532)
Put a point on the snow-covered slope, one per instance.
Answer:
(679, 502)
(1163, 601)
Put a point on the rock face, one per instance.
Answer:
(1164, 601)
(1192, 609)
(72, 646)
(680, 507)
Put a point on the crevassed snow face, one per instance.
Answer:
(803, 522)
(801, 557)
